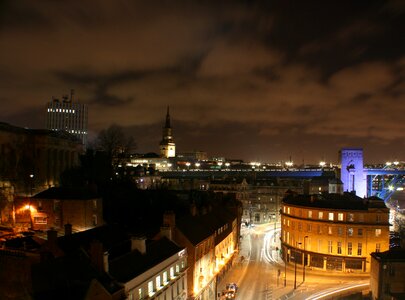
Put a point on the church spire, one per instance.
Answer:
(167, 145)
(167, 118)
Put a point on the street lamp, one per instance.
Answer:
(295, 265)
(303, 260)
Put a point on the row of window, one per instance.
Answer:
(338, 246)
(61, 110)
(330, 216)
(330, 230)
(158, 283)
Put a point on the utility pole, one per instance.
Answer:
(303, 260)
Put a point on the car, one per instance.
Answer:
(231, 287)
(230, 294)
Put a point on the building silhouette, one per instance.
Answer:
(68, 116)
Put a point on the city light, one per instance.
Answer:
(289, 163)
(388, 163)
(322, 163)
(197, 165)
(396, 163)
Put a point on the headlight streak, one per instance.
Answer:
(329, 292)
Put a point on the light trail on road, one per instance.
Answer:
(332, 291)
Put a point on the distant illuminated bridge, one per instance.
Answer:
(365, 181)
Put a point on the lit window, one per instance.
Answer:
(359, 246)
(171, 272)
(320, 215)
(339, 247)
(377, 232)
(310, 214)
(288, 223)
(350, 231)
(350, 217)
(164, 277)
(340, 216)
(330, 217)
(177, 269)
(140, 293)
(158, 281)
(330, 247)
(283, 209)
(329, 230)
(40, 220)
(288, 210)
(150, 288)
(349, 248)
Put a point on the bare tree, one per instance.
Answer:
(116, 144)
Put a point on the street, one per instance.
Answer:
(259, 272)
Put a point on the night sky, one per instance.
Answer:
(255, 80)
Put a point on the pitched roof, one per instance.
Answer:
(392, 254)
(133, 264)
(200, 227)
(67, 277)
(347, 201)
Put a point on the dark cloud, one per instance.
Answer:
(251, 79)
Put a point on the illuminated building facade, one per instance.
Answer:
(68, 116)
(167, 145)
(210, 238)
(352, 171)
(55, 207)
(333, 231)
(152, 270)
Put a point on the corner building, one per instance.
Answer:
(333, 231)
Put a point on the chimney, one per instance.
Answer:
(105, 262)
(68, 229)
(193, 209)
(138, 243)
(166, 231)
(169, 219)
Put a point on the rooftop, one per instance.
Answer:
(347, 201)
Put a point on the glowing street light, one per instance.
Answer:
(388, 163)
(396, 163)
(219, 163)
(227, 164)
(391, 188)
(322, 164)
(197, 165)
(289, 163)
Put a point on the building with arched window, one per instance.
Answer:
(333, 231)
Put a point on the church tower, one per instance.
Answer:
(167, 145)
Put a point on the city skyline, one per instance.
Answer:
(251, 80)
